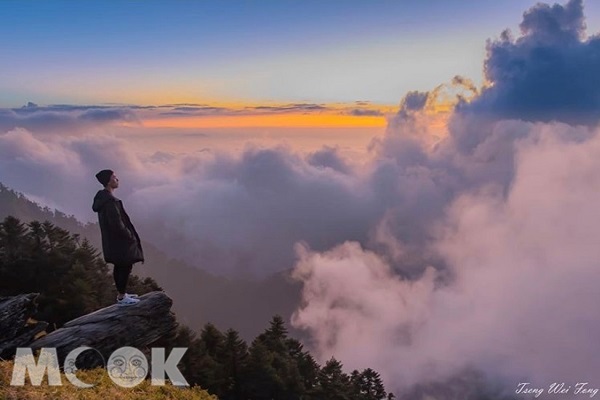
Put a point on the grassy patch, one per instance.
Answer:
(104, 389)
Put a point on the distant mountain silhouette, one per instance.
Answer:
(199, 297)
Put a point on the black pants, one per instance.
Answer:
(121, 275)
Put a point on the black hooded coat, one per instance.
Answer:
(121, 244)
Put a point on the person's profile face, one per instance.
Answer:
(113, 182)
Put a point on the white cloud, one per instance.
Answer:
(523, 289)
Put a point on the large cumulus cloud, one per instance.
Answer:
(549, 73)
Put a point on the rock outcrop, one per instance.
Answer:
(17, 328)
(104, 330)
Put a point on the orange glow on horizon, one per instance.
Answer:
(269, 120)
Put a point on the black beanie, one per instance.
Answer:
(104, 176)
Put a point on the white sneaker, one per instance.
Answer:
(127, 301)
(131, 295)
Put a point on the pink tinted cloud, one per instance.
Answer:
(522, 298)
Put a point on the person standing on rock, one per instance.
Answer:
(121, 245)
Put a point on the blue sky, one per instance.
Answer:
(158, 52)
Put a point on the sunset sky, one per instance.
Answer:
(281, 70)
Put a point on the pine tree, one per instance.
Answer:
(274, 337)
(334, 384)
(235, 361)
(12, 239)
(263, 379)
(213, 340)
(39, 244)
(211, 352)
(277, 328)
(307, 367)
(281, 378)
(368, 385)
(14, 266)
